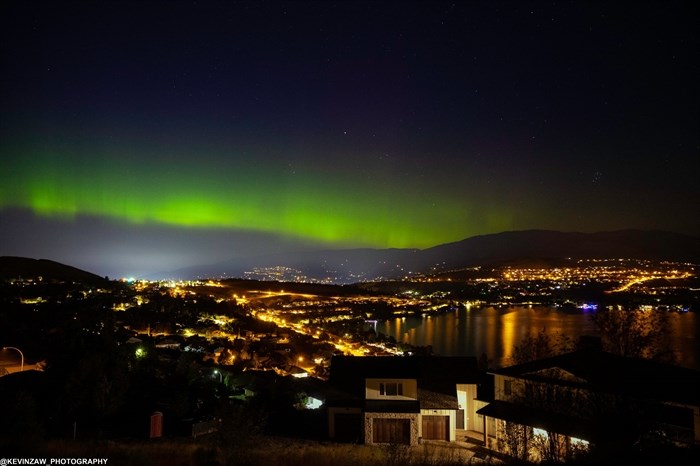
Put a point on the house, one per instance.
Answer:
(402, 399)
(134, 341)
(555, 408)
(168, 343)
(298, 372)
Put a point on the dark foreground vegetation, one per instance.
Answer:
(285, 451)
(260, 451)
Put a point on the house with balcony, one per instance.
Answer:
(403, 399)
(556, 408)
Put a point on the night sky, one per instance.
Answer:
(138, 137)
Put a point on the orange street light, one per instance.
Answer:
(20, 353)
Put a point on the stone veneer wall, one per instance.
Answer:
(369, 424)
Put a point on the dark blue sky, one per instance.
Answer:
(145, 136)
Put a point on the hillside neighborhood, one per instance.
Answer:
(235, 361)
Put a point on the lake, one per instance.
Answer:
(495, 331)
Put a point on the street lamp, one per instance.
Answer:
(20, 353)
(221, 377)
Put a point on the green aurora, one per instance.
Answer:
(354, 208)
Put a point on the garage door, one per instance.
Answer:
(391, 431)
(436, 427)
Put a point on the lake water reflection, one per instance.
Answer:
(495, 331)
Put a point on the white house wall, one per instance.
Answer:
(476, 422)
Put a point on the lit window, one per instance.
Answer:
(391, 389)
(579, 442)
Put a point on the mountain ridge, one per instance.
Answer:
(345, 266)
(373, 264)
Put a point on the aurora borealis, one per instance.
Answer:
(183, 190)
(142, 136)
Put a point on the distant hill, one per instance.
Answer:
(23, 267)
(336, 266)
(528, 246)
(546, 244)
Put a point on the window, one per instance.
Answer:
(507, 387)
(579, 442)
(391, 389)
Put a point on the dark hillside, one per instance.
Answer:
(26, 268)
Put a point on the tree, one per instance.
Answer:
(541, 346)
(21, 428)
(515, 439)
(523, 442)
(637, 333)
(226, 357)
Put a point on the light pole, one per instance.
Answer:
(20, 353)
(221, 377)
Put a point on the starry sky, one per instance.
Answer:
(138, 137)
